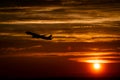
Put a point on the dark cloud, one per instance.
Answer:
(69, 21)
(105, 37)
(40, 46)
(28, 2)
(54, 2)
(61, 28)
(83, 31)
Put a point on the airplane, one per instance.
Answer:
(34, 35)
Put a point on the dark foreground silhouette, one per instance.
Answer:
(34, 35)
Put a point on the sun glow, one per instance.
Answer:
(96, 66)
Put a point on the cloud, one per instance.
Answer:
(113, 37)
(84, 57)
(19, 49)
(89, 60)
(54, 2)
(66, 36)
(74, 54)
(92, 21)
(57, 14)
(12, 34)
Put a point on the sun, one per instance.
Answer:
(96, 66)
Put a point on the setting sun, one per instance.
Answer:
(97, 66)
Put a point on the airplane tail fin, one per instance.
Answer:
(50, 37)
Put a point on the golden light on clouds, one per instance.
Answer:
(87, 21)
(96, 61)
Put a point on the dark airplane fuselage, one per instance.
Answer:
(34, 35)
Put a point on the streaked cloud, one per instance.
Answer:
(84, 57)
(66, 37)
(76, 25)
(12, 34)
(62, 21)
(57, 14)
(20, 49)
(95, 60)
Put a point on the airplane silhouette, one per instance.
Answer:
(34, 35)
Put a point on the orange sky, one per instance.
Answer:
(84, 32)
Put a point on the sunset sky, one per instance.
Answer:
(85, 32)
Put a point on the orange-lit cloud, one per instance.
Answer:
(20, 49)
(62, 36)
(62, 21)
(83, 57)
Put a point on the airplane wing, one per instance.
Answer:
(30, 33)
